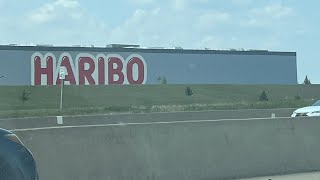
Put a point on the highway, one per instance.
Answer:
(39, 122)
(137, 122)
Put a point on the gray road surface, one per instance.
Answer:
(21, 123)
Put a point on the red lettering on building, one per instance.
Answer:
(140, 71)
(39, 71)
(88, 69)
(101, 71)
(112, 71)
(70, 75)
(86, 74)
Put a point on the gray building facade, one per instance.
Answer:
(39, 65)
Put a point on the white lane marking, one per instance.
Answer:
(144, 123)
(172, 112)
(59, 120)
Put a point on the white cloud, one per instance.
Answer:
(163, 27)
(141, 1)
(67, 3)
(56, 9)
(210, 19)
(43, 14)
(179, 4)
(141, 27)
(215, 17)
(242, 2)
(191, 27)
(60, 22)
(253, 22)
(273, 11)
(209, 41)
(267, 15)
(271, 43)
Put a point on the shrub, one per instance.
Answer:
(263, 96)
(297, 97)
(25, 96)
(188, 91)
(164, 80)
(306, 80)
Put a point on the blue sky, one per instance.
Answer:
(287, 25)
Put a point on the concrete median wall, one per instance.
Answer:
(189, 150)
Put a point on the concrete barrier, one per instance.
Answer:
(189, 150)
(19, 123)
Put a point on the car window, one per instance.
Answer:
(316, 103)
(160, 89)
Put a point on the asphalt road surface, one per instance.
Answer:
(40, 122)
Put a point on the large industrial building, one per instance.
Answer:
(132, 64)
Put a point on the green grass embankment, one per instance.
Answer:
(44, 100)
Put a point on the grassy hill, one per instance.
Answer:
(44, 100)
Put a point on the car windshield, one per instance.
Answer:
(316, 103)
(161, 89)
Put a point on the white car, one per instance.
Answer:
(311, 111)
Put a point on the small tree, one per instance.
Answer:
(297, 97)
(25, 96)
(188, 91)
(159, 79)
(306, 80)
(263, 96)
(164, 80)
